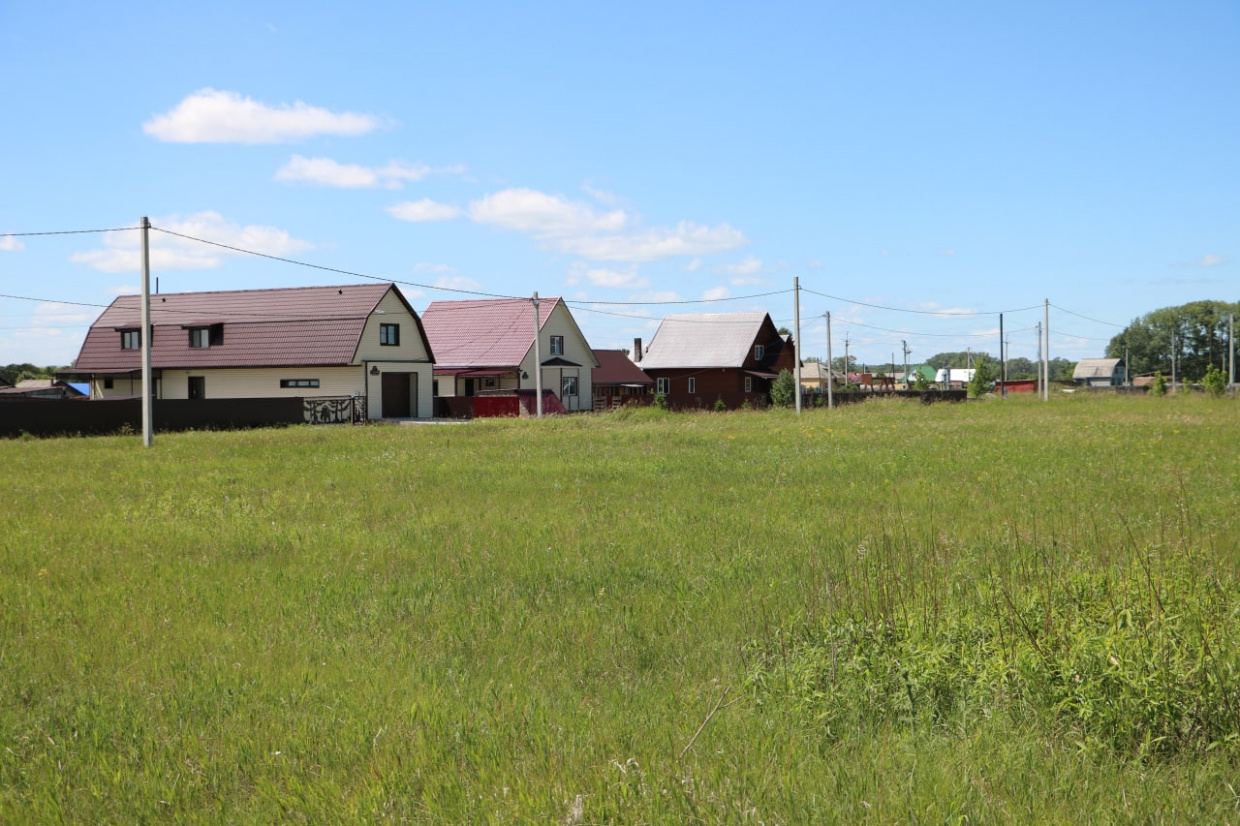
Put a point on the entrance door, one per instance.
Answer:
(197, 387)
(469, 387)
(395, 395)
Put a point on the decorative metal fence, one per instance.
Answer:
(334, 409)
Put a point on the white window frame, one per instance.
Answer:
(557, 345)
(661, 386)
(567, 382)
(759, 352)
(131, 339)
(692, 385)
(748, 384)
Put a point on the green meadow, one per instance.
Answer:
(1000, 611)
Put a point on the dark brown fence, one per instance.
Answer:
(54, 417)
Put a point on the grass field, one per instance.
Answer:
(984, 612)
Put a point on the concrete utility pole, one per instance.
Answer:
(1039, 326)
(1231, 351)
(537, 357)
(1046, 352)
(830, 368)
(1002, 361)
(796, 342)
(847, 366)
(144, 336)
(904, 344)
(1173, 349)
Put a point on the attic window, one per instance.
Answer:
(557, 345)
(209, 336)
(758, 352)
(131, 339)
(389, 335)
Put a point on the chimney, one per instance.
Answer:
(637, 350)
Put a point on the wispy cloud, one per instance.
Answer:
(1209, 260)
(715, 293)
(330, 172)
(607, 278)
(10, 244)
(425, 267)
(214, 116)
(578, 228)
(121, 251)
(457, 282)
(748, 266)
(423, 210)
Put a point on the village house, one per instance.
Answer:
(617, 380)
(1099, 373)
(815, 375)
(360, 341)
(487, 345)
(696, 360)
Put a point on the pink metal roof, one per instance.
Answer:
(262, 328)
(616, 368)
(489, 332)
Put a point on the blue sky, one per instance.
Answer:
(949, 157)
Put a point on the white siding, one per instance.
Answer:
(576, 349)
(391, 311)
(262, 382)
(422, 405)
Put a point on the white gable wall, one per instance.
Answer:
(576, 349)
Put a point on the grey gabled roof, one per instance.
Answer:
(706, 340)
(1095, 368)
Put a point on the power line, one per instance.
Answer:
(1087, 318)
(920, 312)
(64, 232)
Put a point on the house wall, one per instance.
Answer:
(710, 384)
(259, 382)
(422, 399)
(391, 310)
(576, 349)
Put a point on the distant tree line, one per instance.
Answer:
(13, 373)
(1199, 332)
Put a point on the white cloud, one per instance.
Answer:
(1211, 260)
(329, 172)
(601, 195)
(947, 253)
(10, 244)
(610, 279)
(686, 238)
(935, 307)
(423, 210)
(424, 267)
(750, 265)
(457, 282)
(121, 251)
(693, 265)
(213, 116)
(715, 293)
(543, 215)
(656, 297)
(50, 312)
(124, 289)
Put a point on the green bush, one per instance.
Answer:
(1214, 381)
(720, 404)
(784, 389)
(660, 401)
(1159, 387)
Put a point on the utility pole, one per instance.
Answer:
(1127, 372)
(830, 368)
(1002, 361)
(1039, 326)
(537, 358)
(904, 344)
(1231, 351)
(144, 336)
(1046, 352)
(1173, 349)
(847, 365)
(796, 343)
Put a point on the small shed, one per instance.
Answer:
(1099, 373)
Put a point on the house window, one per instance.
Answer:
(692, 385)
(389, 335)
(107, 384)
(568, 385)
(299, 382)
(557, 345)
(131, 339)
(748, 384)
(661, 386)
(758, 352)
(212, 336)
(490, 382)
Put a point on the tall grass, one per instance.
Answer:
(624, 618)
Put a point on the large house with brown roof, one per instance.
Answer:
(360, 341)
(696, 360)
(487, 345)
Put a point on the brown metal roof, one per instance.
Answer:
(616, 368)
(262, 328)
(490, 332)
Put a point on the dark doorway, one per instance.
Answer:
(396, 396)
(469, 387)
(197, 387)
